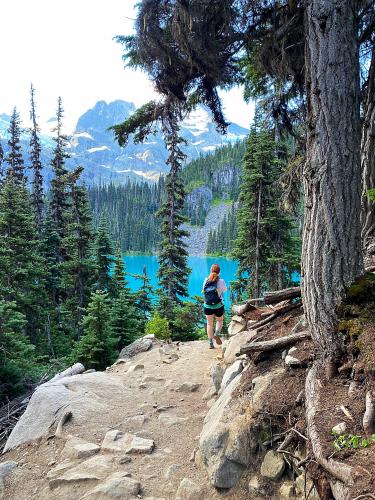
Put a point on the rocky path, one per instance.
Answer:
(133, 435)
(198, 237)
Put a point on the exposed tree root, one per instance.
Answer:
(368, 421)
(339, 470)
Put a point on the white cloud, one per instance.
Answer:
(67, 49)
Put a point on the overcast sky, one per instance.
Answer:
(67, 49)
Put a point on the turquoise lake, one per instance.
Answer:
(200, 267)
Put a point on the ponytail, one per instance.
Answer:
(214, 274)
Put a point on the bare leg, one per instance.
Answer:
(210, 326)
(219, 325)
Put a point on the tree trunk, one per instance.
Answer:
(368, 157)
(331, 253)
(257, 245)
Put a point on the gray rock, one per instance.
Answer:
(140, 345)
(188, 490)
(231, 373)
(124, 460)
(187, 387)
(95, 468)
(217, 373)
(117, 441)
(339, 428)
(85, 395)
(171, 471)
(137, 420)
(171, 420)
(209, 394)
(78, 448)
(300, 487)
(6, 468)
(117, 485)
(235, 344)
(228, 438)
(273, 466)
(237, 325)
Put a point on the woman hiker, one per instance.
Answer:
(213, 289)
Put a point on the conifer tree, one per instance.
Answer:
(97, 347)
(143, 297)
(78, 267)
(14, 157)
(173, 271)
(36, 165)
(125, 325)
(103, 258)
(16, 352)
(59, 203)
(119, 281)
(264, 231)
(21, 268)
(1, 161)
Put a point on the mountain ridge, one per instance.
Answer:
(93, 146)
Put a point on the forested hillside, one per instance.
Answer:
(130, 213)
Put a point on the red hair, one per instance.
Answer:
(214, 274)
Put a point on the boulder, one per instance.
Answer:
(78, 448)
(140, 345)
(231, 433)
(188, 490)
(230, 373)
(94, 469)
(235, 344)
(117, 441)
(118, 485)
(217, 373)
(86, 396)
(273, 465)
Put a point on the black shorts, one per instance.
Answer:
(217, 312)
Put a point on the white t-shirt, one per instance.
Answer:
(221, 287)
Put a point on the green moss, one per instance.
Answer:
(362, 289)
(351, 326)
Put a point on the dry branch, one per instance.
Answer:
(280, 295)
(59, 429)
(272, 345)
(72, 370)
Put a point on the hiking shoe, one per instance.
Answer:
(211, 345)
(218, 339)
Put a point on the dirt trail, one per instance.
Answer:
(146, 391)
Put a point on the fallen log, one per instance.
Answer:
(275, 314)
(69, 372)
(272, 345)
(241, 309)
(368, 421)
(280, 295)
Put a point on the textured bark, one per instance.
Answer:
(368, 157)
(331, 253)
(256, 290)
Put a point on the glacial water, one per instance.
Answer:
(200, 267)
